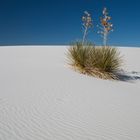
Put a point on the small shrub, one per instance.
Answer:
(102, 62)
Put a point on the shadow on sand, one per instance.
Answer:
(128, 76)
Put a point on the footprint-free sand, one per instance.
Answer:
(41, 98)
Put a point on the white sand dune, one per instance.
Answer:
(42, 99)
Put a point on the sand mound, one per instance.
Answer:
(42, 99)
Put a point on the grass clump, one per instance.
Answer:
(102, 62)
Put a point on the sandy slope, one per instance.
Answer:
(42, 99)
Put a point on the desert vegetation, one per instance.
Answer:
(102, 62)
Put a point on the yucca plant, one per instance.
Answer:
(102, 62)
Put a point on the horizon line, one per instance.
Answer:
(46, 45)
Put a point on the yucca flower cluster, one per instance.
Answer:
(87, 20)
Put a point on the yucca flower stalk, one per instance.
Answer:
(87, 24)
(105, 26)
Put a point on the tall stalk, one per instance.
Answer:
(105, 26)
(87, 24)
(84, 35)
